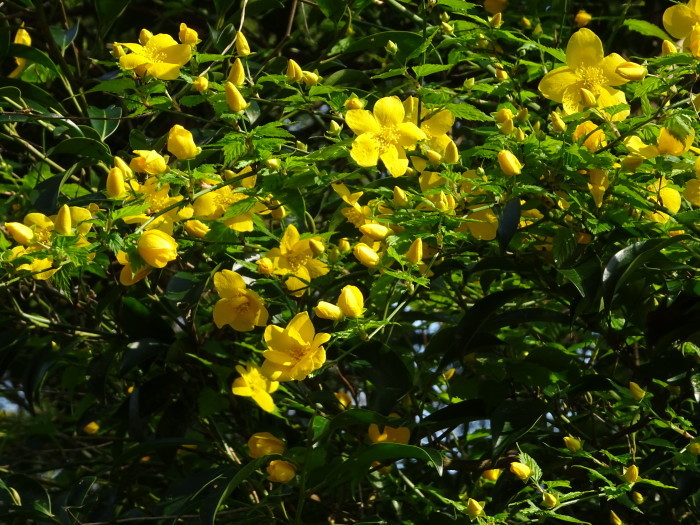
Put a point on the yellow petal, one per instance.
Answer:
(264, 400)
(409, 134)
(365, 150)
(164, 71)
(301, 328)
(692, 192)
(160, 41)
(178, 54)
(227, 283)
(361, 121)
(439, 124)
(584, 49)
(396, 165)
(389, 111)
(609, 66)
(554, 83)
(679, 20)
(132, 60)
(613, 97)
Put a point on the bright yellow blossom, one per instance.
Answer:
(21, 37)
(157, 248)
(383, 134)
(587, 72)
(161, 57)
(680, 19)
(389, 434)
(351, 302)
(521, 470)
(148, 161)
(670, 199)
(253, 383)
(187, 35)
(181, 143)
(295, 351)
(237, 74)
(128, 274)
(240, 308)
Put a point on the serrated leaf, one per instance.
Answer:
(429, 69)
(647, 29)
(468, 112)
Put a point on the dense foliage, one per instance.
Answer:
(389, 261)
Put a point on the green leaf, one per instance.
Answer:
(536, 471)
(429, 69)
(64, 37)
(33, 55)
(468, 112)
(647, 29)
(105, 121)
(83, 146)
(456, 6)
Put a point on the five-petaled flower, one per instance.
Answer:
(238, 307)
(253, 383)
(588, 76)
(161, 57)
(295, 351)
(295, 257)
(680, 19)
(383, 134)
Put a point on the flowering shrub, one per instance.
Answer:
(349, 262)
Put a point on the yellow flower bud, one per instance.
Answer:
(631, 71)
(522, 115)
(588, 98)
(558, 124)
(637, 497)
(63, 222)
(118, 50)
(496, 20)
(20, 233)
(197, 228)
(237, 74)
(344, 245)
(181, 143)
(354, 103)
(266, 266)
(366, 255)
(550, 500)
(234, 99)
(637, 391)
(537, 30)
(148, 161)
(573, 444)
(317, 247)
(273, 164)
(593, 136)
(187, 35)
(344, 399)
(126, 170)
(91, 428)
(415, 251)
(351, 302)
(519, 135)
(433, 156)
(451, 155)
(157, 248)
(263, 443)
(614, 519)
(521, 470)
(509, 163)
(507, 127)
(632, 162)
(400, 198)
(334, 128)
(115, 184)
(447, 28)
(144, 36)
(201, 84)
(582, 18)
(492, 474)
(294, 72)
(503, 115)
(501, 74)
(391, 47)
(631, 474)
(326, 310)
(242, 47)
(694, 448)
(526, 23)
(280, 471)
(474, 508)
(377, 232)
(310, 79)
(668, 48)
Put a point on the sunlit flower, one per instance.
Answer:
(128, 274)
(492, 474)
(389, 434)
(157, 248)
(474, 508)
(680, 19)
(240, 308)
(21, 37)
(669, 198)
(253, 383)
(637, 391)
(242, 46)
(631, 474)
(550, 500)
(295, 257)
(383, 134)
(592, 135)
(187, 35)
(521, 470)
(295, 351)
(582, 18)
(351, 302)
(181, 143)
(237, 74)
(263, 443)
(587, 72)
(148, 161)
(294, 72)
(161, 57)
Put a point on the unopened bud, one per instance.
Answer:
(334, 128)
(496, 20)
(447, 28)
(415, 251)
(400, 197)
(64, 224)
(316, 247)
(391, 47)
(637, 391)
(294, 72)
(519, 135)
(588, 98)
(509, 163)
(668, 48)
(582, 18)
(558, 124)
(631, 71)
(550, 500)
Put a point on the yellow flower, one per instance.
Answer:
(128, 274)
(631, 474)
(21, 37)
(326, 310)
(91, 428)
(344, 399)
(383, 134)
(181, 144)
(668, 48)
(573, 444)
(263, 443)
(509, 163)
(240, 308)
(157, 248)
(237, 74)
(637, 391)
(680, 19)
(492, 474)
(20, 233)
(295, 256)
(415, 251)
(366, 255)
(242, 47)
(37, 265)
(521, 470)
(197, 228)
(351, 302)
(615, 519)
(161, 57)
(253, 383)
(234, 99)
(668, 144)
(550, 500)
(474, 508)
(148, 161)
(587, 72)
(294, 72)
(295, 351)
(483, 224)
(670, 199)
(201, 84)
(280, 471)
(435, 125)
(582, 18)
(115, 184)
(188, 35)
(389, 434)
(592, 135)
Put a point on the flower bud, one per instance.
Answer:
(242, 47)
(377, 232)
(522, 115)
(519, 135)
(474, 508)
(509, 163)
(334, 128)
(351, 302)
(694, 448)
(273, 164)
(521, 470)
(501, 74)
(309, 78)
(201, 84)
(492, 474)
(451, 155)
(526, 23)
(668, 48)
(316, 247)
(263, 443)
(326, 310)
(614, 519)
(496, 20)
(197, 228)
(266, 266)
(118, 50)
(447, 28)
(91, 428)
(148, 161)
(573, 444)
(550, 500)
(582, 18)
(391, 47)
(144, 36)
(637, 497)
(63, 222)
(126, 170)
(187, 35)
(157, 248)
(181, 143)
(115, 184)
(588, 98)
(280, 471)
(433, 156)
(593, 136)
(344, 399)
(469, 83)
(637, 391)
(537, 30)
(294, 72)
(415, 251)
(20, 233)
(237, 74)
(631, 474)
(366, 255)
(354, 103)
(234, 99)
(400, 198)
(631, 71)
(558, 124)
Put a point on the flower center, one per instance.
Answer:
(297, 352)
(591, 78)
(387, 137)
(295, 261)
